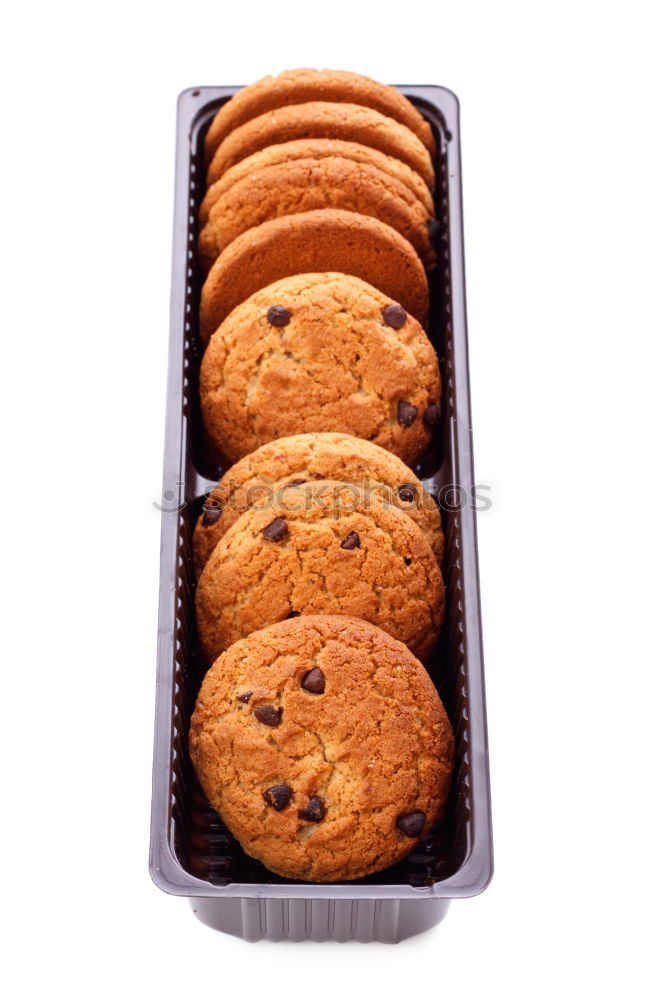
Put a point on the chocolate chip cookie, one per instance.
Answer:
(308, 184)
(324, 746)
(319, 352)
(299, 86)
(324, 240)
(277, 466)
(317, 149)
(321, 548)
(322, 120)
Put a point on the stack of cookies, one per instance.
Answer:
(318, 734)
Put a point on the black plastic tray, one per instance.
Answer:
(192, 854)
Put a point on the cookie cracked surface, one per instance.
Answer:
(322, 548)
(351, 778)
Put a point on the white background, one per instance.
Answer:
(552, 124)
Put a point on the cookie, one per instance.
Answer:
(264, 474)
(319, 352)
(300, 86)
(309, 184)
(317, 149)
(321, 548)
(324, 746)
(324, 240)
(322, 120)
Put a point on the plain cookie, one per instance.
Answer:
(322, 120)
(299, 86)
(317, 149)
(308, 184)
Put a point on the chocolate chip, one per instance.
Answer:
(407, 561)
(295, 482)
(407, 492)
(395, 316)
(434, 228)
(246, 697)
(353, 541)
(211, 515)
(268, 715)
(293, 614)
(406, 413)
(431, 416)
(278, 316)
(278, 796)
(314, 811)
(411, 824)
(314, 681)
(276, 531)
